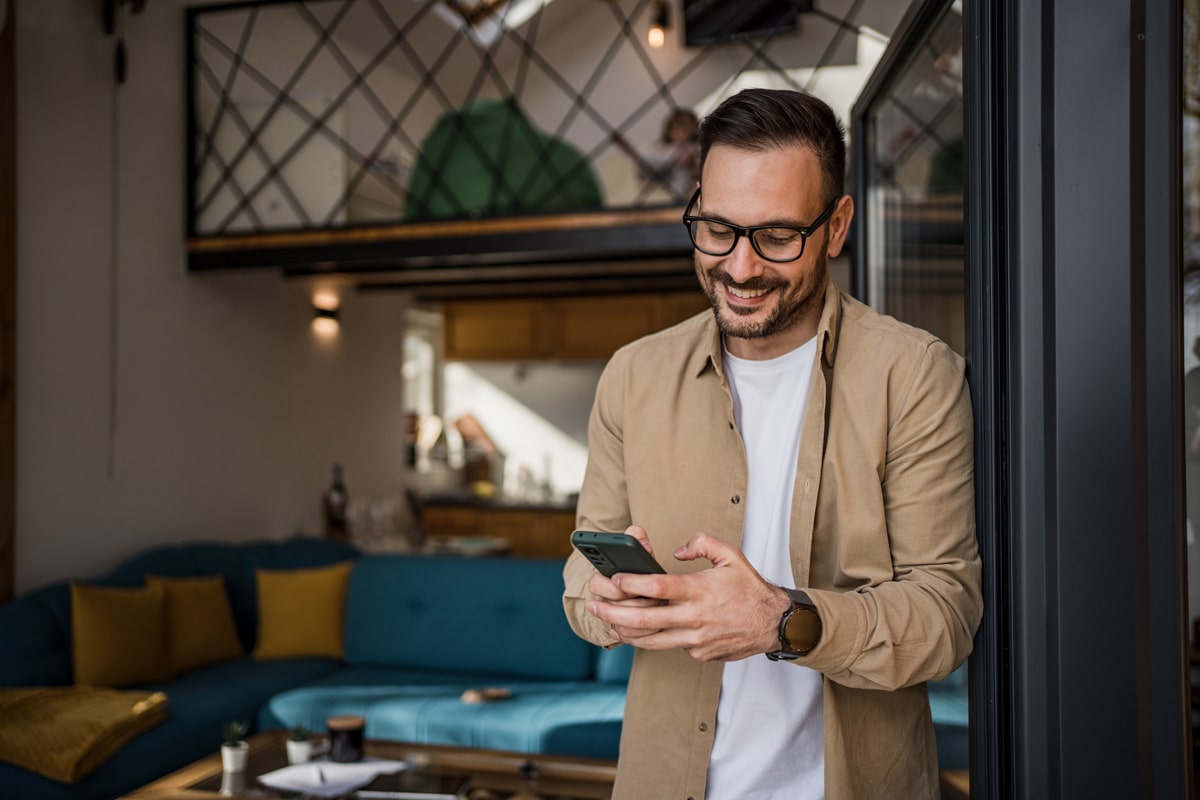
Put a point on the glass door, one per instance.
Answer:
(909, 243)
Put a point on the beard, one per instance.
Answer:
(794, 301)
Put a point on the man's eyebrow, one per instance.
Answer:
(775, 223)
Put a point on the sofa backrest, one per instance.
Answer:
(237, 562)
(500, 616)
(35, 628)
(36, 633)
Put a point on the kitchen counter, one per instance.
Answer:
(465, 497)
(539, 529)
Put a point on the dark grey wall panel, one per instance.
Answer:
(1078, 165)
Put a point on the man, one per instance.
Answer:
(794, 438)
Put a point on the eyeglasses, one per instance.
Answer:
(776, 243)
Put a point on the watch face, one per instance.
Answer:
(803, 629)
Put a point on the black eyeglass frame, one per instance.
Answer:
(805, 231)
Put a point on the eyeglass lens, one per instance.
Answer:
(718, 239)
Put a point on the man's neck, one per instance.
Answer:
(766, 347)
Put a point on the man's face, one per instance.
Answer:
(765, 309)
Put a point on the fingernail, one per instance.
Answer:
(613, 633)
(592, 609)
(681, 551)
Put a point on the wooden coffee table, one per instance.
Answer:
(473, 774)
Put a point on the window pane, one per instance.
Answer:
(914, 254)
(915, 263)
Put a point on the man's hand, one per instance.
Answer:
(722, 614)
(603, 587)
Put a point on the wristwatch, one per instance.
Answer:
(799, 628)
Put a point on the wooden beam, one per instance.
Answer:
(8, 298)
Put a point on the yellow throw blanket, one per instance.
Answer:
(66, 732)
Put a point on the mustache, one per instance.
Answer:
(755, 284)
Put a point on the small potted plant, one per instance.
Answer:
(234, 746)
(299, 744)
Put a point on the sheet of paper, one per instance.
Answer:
(329, 778)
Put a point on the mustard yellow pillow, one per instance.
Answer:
(301, 612)
(119, 635)
(66, 732)
(200, 627)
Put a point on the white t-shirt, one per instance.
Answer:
(770, 722)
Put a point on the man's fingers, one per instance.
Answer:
(656, 586)
(708, 547)
(639, 533)
(645, 614)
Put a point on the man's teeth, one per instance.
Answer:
(746, 294)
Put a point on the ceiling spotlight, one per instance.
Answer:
(657, 35)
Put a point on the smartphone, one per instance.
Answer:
(611, 553)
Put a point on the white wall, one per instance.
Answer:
(228, 411)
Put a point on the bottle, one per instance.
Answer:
(335, 502)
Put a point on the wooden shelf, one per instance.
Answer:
(602, 235)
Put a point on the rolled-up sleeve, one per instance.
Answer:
(919, 625)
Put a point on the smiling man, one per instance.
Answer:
(801, 466)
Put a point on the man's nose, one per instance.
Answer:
(743, 263)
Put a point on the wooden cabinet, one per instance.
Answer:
(483, 330)
(534, 534)
(451, 521)
(559, 328)
(594, 327)
(531, 533)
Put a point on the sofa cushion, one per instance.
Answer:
(355, 680)
(497, 616)
(302, 612)
(118, 635)
(66, 732)
(613, 664)
(211, 696)
(199, 621)
(539, 714)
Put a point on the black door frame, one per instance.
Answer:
(1074, 254)
(1080, 674)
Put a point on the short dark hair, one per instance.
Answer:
(763, 119)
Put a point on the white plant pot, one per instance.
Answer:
(233, 757)
(299, 752)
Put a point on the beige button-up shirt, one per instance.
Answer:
(882, 538)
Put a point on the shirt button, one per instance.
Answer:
(737, 498)
(703, 726)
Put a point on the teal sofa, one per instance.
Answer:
(419, 631)
(422, 630)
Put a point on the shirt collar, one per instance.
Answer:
(710, 352)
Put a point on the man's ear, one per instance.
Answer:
(839, 225)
